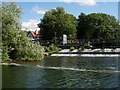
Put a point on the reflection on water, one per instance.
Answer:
(64, 72)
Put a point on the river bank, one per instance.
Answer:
(107, 52)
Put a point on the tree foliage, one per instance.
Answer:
(97, 26)
(15, 44)
(56, 21)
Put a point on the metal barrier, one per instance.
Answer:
(83, 42)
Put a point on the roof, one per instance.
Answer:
(34, 33)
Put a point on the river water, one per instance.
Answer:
(64, 72)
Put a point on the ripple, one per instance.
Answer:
(82, 70)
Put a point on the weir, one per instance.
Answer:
(89, 53)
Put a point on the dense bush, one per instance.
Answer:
(5, 56)
(51, 49)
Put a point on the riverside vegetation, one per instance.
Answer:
(51, 49)
(55, 23)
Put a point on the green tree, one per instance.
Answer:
(97, 26)
(15, 44)
(56, 21)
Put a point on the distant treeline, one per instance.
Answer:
(57, 22)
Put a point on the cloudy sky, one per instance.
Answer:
(32, 12)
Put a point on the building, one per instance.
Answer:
(34, 35)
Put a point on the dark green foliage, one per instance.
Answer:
(97, 26)
(56, 22)
(15, 44)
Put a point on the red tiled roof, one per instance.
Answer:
(36, 33)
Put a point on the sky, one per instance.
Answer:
(32, 12)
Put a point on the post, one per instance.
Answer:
(64, 39)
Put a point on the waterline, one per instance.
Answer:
(12, 64)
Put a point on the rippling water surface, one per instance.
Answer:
(64, 72)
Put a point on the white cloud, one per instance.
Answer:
(81, 2)
(88, 2)
(30, 25)
(67, 1)
(36, 9)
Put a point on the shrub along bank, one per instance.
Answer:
(51, 49)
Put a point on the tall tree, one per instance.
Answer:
(15, 44)
(97, 26)
(56, 23)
